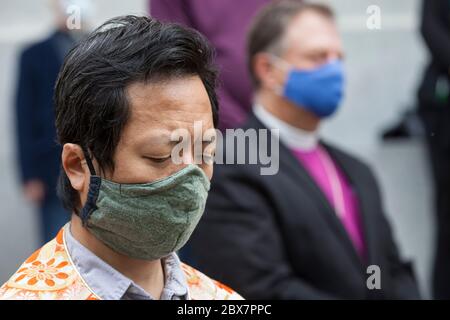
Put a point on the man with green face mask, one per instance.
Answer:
(119, 96)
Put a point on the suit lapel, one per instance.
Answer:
(364, 197)
(304, 180)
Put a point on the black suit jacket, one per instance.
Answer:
(435, 29)
(277, 237)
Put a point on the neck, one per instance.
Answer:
(286, 111)
(147, 274)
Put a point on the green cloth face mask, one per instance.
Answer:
(146, 221)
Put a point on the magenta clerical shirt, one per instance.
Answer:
(323, 170)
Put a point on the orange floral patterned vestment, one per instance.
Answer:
(50, 274)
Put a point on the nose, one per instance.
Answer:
(333, 56)
(188, 156)
(193, 155)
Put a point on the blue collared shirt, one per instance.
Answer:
(109, 284)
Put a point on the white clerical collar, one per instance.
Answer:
(292, 137)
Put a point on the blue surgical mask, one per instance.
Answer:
(319, 91)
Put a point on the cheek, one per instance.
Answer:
(280, 76)
(136, 169)
(131, 168)
(208, 170)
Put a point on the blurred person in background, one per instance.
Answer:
(38, 152)
(311, 230)
(434, 109)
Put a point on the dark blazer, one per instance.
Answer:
(277, 237)
(38, 152)
(435, 29)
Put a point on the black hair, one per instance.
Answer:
(91, 105)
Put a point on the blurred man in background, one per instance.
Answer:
(434, 109)
(312, 230)
(38, 152)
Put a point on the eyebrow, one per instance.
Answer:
(161, 139)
